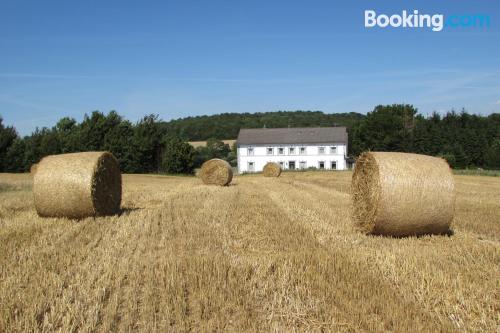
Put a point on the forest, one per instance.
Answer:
(152, 145)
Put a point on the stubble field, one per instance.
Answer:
(262, 254)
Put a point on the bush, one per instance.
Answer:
(450, 158)
(178, 157)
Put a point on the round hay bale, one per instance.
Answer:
(271, 169)
(401, 194)
(33, 168)
(216, 172)
(78, 185)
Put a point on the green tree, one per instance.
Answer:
(435, 131)
(201, 154)
(422, 141)
(15, 157)
(118, 140)
(40, 143)
(94, 128)
(492, 156)
(214, 149)
(232, 157)
(450, 158)
(7, 136)
(68, 131)
(227, 125)
(466, 140)
(461, 160)
(217, 148)
(387, 128)
(178, 156)
(147, 145)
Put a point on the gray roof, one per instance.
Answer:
(302, 135)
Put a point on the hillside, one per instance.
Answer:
(227, 125)
(203, 143)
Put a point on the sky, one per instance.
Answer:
(187, 58)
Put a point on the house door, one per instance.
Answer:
(334, 165)
(321, 165)
(251, 166)
(291, 165)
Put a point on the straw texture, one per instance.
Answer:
(271, 169)
(216, 172)
(401, 194)
(33, 168)
(78, 185)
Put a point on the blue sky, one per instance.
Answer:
(187, 58)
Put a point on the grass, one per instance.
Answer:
(478, 172)
(15, 182)
(6, 187)
(260, 255)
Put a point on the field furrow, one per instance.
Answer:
(262, 254)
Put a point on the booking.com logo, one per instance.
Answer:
(437, 22)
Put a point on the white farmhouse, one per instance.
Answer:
(292, 148)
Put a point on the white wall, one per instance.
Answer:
(311, 157)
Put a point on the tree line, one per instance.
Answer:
(147, 146)
(464, 140)
(152, 145)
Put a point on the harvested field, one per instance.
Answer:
(276, 254)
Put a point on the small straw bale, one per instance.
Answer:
(399, 194)
(78, 185)
(33, 168)
(271, 169)
(216, 172)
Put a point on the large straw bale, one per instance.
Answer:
(33, 168)
(271, 169)
(401, 194)
(216, 172)
(78, 185)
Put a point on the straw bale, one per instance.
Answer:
(271, 169)
(78, 185)
(216, 172)
(33, 168)
(400, 194)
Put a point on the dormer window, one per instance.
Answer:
(333, 150)
(302, 150)
(270, 151)
(281, 151)
(291, 150)
(321, 150)
(250, 151)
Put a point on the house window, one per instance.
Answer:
(333, 150)
(251, 166)
(302, 150)
(282, 165)
(321, 150)
(321, 165)
(302, 164)
(250, 151)
(291, 150)
(333, 165)
(291, 165)
(270, 151)
(281, 151)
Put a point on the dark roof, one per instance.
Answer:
(251, 136)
